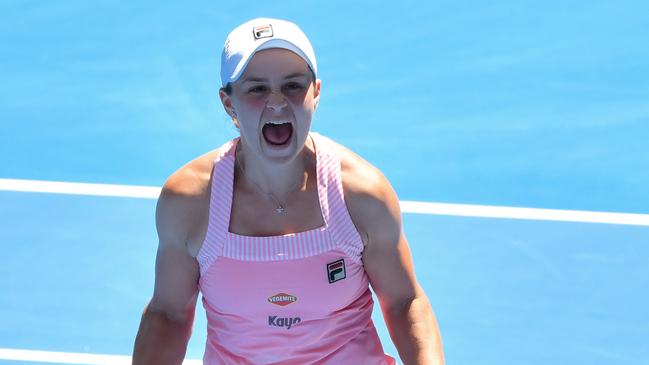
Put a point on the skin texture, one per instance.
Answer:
(277, 86)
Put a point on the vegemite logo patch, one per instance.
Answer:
(263, 31)
(282, 299)
(336, 271)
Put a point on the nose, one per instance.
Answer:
(276, 101)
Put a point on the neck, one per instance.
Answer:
(276, 179)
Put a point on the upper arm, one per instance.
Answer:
(375, 210)
(176, 271)
(387, 258)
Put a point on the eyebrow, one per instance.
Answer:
(261, 79)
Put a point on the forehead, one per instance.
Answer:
(275, 63)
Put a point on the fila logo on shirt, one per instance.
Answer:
(336, 271)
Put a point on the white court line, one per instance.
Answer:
(57, 187)
(490, 211)
(465, 210)
(71, 357)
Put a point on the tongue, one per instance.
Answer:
(277, 133)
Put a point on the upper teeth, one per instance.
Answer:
(278, 122)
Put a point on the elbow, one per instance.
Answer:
(174, 318)
(403, 304)
(400, 305)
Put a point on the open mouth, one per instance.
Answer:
(277, 132)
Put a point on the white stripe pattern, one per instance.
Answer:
(337, 232)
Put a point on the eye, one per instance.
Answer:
(293, 86)
(259, 89)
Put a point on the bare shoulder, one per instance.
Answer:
(192, 179)
(370, 199)
(361, 178)
(179, 220)
(183, 204)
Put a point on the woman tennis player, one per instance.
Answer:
(282, 230)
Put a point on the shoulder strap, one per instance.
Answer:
(332, 198)
(220, 206)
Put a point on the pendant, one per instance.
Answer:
(280, 210)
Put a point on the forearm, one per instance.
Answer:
(160, 340)
(415, 333)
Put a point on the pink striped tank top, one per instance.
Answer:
(299, 298)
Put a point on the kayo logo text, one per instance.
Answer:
(287, 322)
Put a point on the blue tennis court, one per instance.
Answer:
(471, 110)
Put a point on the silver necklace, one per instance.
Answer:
(281, 208)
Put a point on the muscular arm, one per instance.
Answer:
(405, 306)
(167, 320)
(406, 309)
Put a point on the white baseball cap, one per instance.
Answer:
(259, 34)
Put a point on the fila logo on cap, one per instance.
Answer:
(336, 271)
(263, 31)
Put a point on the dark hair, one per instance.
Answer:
(227, 88)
